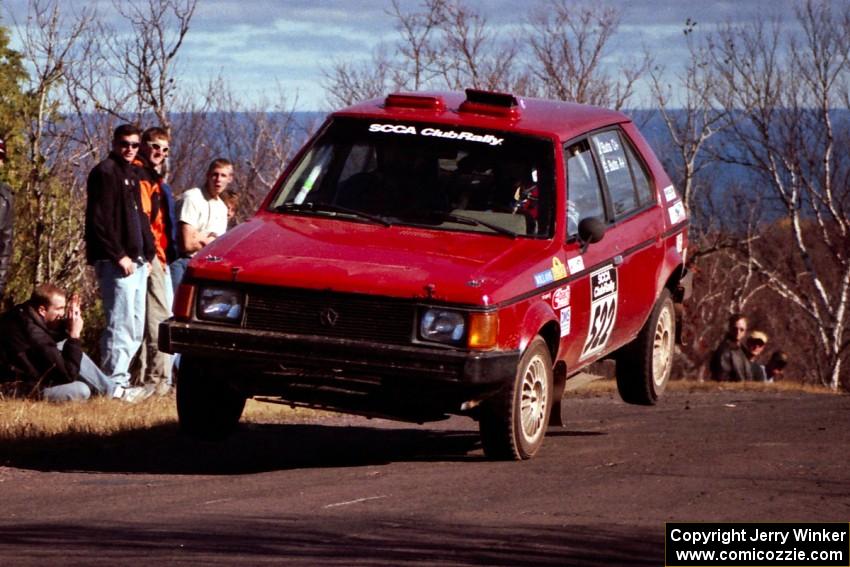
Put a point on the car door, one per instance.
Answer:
(587, 303)
(633, 239)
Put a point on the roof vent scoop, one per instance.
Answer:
(415, 102)
(502, 105)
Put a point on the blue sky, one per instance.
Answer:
(257, 45)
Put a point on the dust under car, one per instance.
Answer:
(430, 254)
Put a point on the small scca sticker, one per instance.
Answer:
(576, 264)
(603, 310)
(488, 139)
(677, 213)
(670, 193)
(561, 297)
(565, 321)
(680, 241)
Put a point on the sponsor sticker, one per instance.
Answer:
(576, 264)
(670, 193)
(566, 315)
(603, 310)
(677, 212)
(680, 241)
(561, 297)
(543, 278)
(404, 129)
(559, 272)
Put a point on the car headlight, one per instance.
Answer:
(222, 305)
(442, 326)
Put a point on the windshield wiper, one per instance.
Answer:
(472, 221)
(330, 208)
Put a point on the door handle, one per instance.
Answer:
(618, 259)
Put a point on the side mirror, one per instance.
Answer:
(590, 231)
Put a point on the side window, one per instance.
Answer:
(612, 156)
(584, 198)
(642, 180)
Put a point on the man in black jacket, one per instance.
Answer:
(41, 347)
(7, 219)
(119, 245)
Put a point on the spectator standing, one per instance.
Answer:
(39, 344)
(729, 362)
(158, 204)
(7, 221)
(119, 245)
(231, 199)
(203, 215)
(753, 347)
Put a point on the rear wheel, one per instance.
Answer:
(644, 365)
(207, 406)
(513, 424)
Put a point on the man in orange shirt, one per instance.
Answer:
(158, 205)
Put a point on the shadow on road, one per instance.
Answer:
(337, 541)
(253, 448)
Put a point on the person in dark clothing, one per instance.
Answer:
(41, 346)
(119, 245)
(7, 220)
(730, 362)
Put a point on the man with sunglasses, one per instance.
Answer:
(119, 245)
(158, 204)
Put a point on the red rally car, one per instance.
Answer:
(429, 254)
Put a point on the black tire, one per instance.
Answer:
(207, 406)
(644, 365)
(513, 423)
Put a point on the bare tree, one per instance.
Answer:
(691, 116)
(569, 44)
(443, 45)
(51, 208)
(780, 95)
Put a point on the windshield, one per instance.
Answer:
(440, 176)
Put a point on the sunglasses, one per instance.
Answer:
(158, 147)
(126, 144)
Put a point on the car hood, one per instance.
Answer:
(354, 257)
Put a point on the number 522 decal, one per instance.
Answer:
(603, 310)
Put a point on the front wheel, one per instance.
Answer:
(207, 406)
(513, 424)
(644, 365)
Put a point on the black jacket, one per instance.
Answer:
(7, 220)
(28, 348)
(116, 226)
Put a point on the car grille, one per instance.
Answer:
(303, 312)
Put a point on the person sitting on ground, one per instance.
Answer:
(729, 362)
(775, 366)
(41, 347)
(754, 346)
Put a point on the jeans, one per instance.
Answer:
(73, 392)
(124, 307)
(91, 376)
(155, 366)
(178, 270)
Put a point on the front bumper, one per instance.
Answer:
(307, 355)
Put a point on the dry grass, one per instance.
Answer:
(26, 419)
